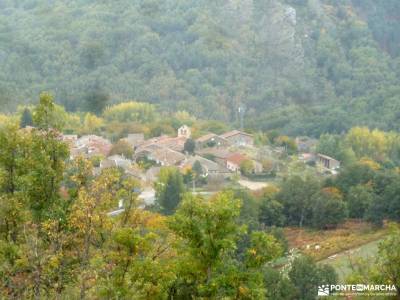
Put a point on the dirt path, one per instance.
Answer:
(253, 185)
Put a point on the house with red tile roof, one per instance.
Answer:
(233, 161)
(91, 145)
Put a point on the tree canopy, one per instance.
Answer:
(296, 66)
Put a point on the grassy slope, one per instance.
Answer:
(350, 235)
(342, 261)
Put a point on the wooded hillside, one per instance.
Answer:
(300, 66)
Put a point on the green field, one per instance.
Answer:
(342, 261)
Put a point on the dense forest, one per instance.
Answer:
(303, 67)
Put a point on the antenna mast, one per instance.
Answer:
(241, 111)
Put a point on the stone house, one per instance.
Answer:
(173, 143)
(92, 145)
(211, 140)
(238, 138)
(162, 156)
(234, 161)
(219, 155)
(210, 168)
(327, 162)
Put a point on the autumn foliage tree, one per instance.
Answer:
(122, 148)
(208, 233)
(31, 179)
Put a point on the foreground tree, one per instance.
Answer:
(306, 276)
(30, 178)
(389, 258)
(279, 287)
(385, 268)
(137, 262)
(208, 233)
(90, 223)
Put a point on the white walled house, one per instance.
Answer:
(184, 131)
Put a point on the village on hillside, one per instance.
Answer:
(218, 161)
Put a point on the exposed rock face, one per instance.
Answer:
(276, 24)
(291, 15)
(241, 8)
(277, 27)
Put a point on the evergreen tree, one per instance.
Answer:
(96, 99)
(190, 146)
(197, 168)
(26, 118)
(170, 191)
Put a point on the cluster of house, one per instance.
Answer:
(306, 146)
(212, 151)
(220, 156)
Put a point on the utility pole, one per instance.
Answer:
(241, 111)
(194, 182)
